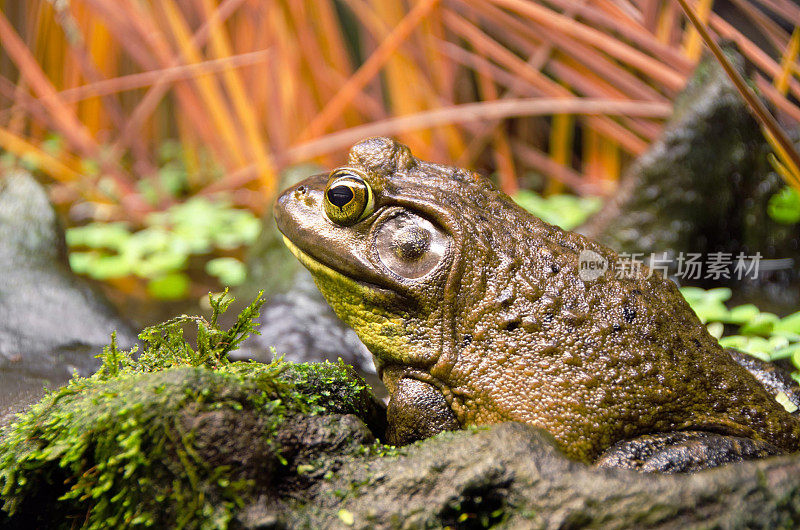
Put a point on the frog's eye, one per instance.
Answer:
(348, 197)
(410, 246)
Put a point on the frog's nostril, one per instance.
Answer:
(299, 193)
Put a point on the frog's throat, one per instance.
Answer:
(383, 333)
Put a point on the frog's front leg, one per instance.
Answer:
(417, 410)
(683, 452)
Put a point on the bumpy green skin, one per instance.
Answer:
(505, 329)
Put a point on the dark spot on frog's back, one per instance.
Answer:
(629, 314)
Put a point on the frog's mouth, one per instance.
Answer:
(313, 265)
(319, 268)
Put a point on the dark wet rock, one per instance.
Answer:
(51, 322)
(294, 446)
(703, 187)
(19, 391)
(296, 320)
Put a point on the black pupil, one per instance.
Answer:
(340, 195)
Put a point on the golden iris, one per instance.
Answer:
(348, 197)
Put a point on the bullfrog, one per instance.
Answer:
(477, 312)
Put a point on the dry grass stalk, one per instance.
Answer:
(567, 89)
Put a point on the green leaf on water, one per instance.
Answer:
(784, 206)
(229, 271)
(565, 211)
(172, 286)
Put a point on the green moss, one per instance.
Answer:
(165, 346)
(179, 436)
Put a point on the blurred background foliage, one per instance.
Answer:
(746, 328)
(162, 126)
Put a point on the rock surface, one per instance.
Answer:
(180, 446)
(51, 322)
(513, 476)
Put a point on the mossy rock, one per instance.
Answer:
(186, 446)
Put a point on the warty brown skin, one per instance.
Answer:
(504, 328)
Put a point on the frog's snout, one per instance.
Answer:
(298, 203)
(280, 206)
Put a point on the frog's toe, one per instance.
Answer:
(683, 452)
